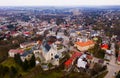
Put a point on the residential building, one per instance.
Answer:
(104, 46)
(27, 44)
(81, 63)
(71, 60)
(12, 52)
(84, 45)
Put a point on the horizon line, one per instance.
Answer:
(60, 6)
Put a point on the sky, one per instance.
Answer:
(58, 2)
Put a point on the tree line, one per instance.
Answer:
(26, 64)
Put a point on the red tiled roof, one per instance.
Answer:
(76, 54)
(50, 42)
(16, 51)
(70, 60)
(27, 33)
(118, 58)
(104, 46)
(83, 44)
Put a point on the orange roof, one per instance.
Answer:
(87, 43)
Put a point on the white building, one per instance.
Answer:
(50, 56)
(81, 63)
(12, 52)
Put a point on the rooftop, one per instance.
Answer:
(104, 46)
(69, 61)
(16, 51)
(83, 44)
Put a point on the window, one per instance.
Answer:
(51, 58)
(51, 54)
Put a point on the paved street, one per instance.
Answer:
(113, 66)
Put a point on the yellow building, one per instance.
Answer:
(84, 46)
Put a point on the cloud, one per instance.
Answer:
(57, 2)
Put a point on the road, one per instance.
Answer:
(112, 67)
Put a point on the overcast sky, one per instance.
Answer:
(58, 2)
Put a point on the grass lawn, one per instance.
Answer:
(47, 74)
(10, 62)
(78, 75)
(52, 74)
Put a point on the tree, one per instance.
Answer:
(3, 70)
(32, 61)
(18, 59)
(25, 65)
(118, 75)
(6, 69)
(50, 65)
(13, 72)
(96, 69)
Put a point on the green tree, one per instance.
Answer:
(118, 75)
(13, 72)
(18, 59)
(32, 61)
(6, 69)
(3, 70)
(96, 69)
(25, 65)
(50, 65)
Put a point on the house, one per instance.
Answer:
(12, 52)
(68, 63)
(81, 63)
(23, 54)
(71, 60)
(104, 46)
(15, 34)
(89, 58)
(73, 33)
(27, 33)
(26, 55)
(27, 44)
(109, 52)
(84, 45)
(118, 60)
